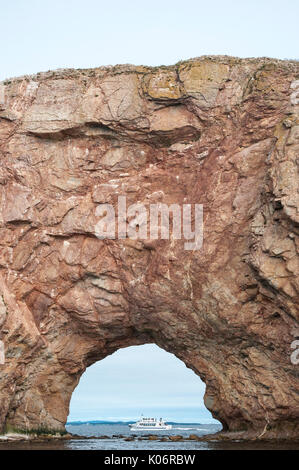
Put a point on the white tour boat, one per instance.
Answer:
(150, 424)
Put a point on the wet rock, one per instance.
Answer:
(176, 438)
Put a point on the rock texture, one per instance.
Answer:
(219, 131)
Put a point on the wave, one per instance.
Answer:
(184, 429)
(189, 429)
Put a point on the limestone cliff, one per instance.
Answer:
(219, 131)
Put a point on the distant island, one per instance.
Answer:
(77, 423)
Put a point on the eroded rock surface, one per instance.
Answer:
(217, 131)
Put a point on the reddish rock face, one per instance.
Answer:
(217, 131)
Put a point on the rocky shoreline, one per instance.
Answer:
(221, 436)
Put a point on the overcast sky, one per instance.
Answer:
(140, 379)
(49, 34)
(41, 35)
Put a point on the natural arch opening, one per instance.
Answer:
(139, 380)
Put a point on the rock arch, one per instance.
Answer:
(218, 131)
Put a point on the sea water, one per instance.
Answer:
(117, 433)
